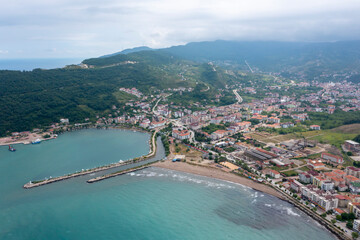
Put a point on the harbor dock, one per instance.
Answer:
(152, 153)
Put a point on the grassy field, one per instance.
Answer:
(332, 137)
(190, 154)
(123, 97)
(291, 173)
(304, 168)
(350, 129)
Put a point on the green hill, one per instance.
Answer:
(36, 98)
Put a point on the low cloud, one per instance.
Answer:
(87, 28)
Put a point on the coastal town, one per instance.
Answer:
(272, 141)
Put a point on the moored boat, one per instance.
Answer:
(37, 141)
(11, 149)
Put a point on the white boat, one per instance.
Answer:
(37, 141)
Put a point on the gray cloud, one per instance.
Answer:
(86, 28)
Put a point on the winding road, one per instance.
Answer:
(238, 97)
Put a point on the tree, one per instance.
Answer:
(357, 138)
(345, 216)
(354, 235)
(338, 217)
(349, 225)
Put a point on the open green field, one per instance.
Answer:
(123, 97)
(291, 173)
(334, 137)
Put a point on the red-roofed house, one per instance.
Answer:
(349, 179)
(353, 171)
(314, 127)
(181, 134)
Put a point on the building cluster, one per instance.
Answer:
(132, 91)
(330, 190)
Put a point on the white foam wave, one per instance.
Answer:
(182, 178)
(290, 212)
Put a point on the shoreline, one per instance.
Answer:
(219, 174)
(215, 173)
(28, 141)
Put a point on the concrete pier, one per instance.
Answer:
(116, 174)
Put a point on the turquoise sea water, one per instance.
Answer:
(149, 204)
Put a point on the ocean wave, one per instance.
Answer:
(181, 177)
(283, 209)
(291, 212)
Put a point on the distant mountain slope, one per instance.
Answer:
(129, 50)
(310, 59)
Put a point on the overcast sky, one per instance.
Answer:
(89, 28)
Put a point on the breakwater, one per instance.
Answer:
(152, 153)
(97, 179)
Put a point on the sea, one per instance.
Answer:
(153, 203)
(28, 64)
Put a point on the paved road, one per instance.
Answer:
(238, 97)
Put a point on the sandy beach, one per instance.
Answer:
(218, 174)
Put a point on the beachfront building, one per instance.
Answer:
(332, 158)
(155, 124)
(295, 185)
(272, 173)
(323, 199)
(304, 177)
(145, 123)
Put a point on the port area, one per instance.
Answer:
(151, 154)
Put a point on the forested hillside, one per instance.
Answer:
(36, 98)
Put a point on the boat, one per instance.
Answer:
(37, 141)
(11, 149)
